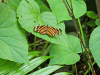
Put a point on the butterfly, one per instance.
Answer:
(51, 31)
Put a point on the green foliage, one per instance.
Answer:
(91, 14)
(7, 66)
(94, 44)
(42, 6)
(27, 21)
(13, 43)
(91, 23)
(59, 10)
(46, 71)
(11, 68)
(62, 52)
(13, 4)
(18, 16)
(97, 22)
(62, 73)
(24, 69)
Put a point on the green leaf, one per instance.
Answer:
(91, 23)
(28, 9)
(63, 73)
(42, 6)
(2, 61)
(94, 44)
(97, 22)
(22, 70)
(30, 18)
(59, 10)
(91, 14)
(8, 66)
(49, 18)
(13, 4)
(28, 13)
(46, 71)
(33, 53)
(66, 54)
(13, 43)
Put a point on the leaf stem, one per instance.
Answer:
(45, 46)
(76, 68)
(80, 26)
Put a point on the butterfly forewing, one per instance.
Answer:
(43, 30)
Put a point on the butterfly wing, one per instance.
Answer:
(52, 31)
(59, 32)
(41, 29)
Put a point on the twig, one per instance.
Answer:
(98, 8)
(78, 32)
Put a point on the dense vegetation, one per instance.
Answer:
(25, 51)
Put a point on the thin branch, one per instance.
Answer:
(78, 32)
(71, 6)
(68, 5)
(98, 8)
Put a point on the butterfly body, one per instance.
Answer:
(51, 31)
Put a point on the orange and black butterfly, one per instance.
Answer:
(51, 31)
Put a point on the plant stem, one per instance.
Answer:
(45, 46)
(89, 69)
(78, 32)
(34, 43)
(80, 26)
(76, 68)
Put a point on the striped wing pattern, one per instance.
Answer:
(51, 31)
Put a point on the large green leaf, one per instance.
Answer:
(24, 69)
(9, 66)
(43, 7)
(94, 44)
(29, 17)
(13, 43)
(13, 4)
(46, 71)
(66, 54)
(2, 61)
(59, 10)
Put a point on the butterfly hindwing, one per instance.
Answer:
(52, 31)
